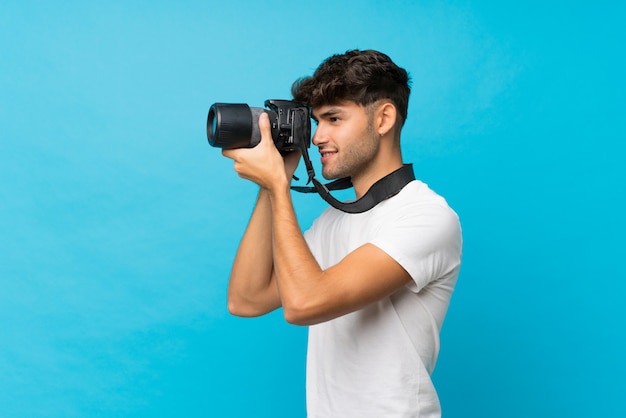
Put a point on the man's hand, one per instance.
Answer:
(263, 164)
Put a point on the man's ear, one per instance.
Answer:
(385, 118)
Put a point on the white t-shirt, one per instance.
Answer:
(376, 362)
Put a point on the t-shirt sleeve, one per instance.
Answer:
(425, 239)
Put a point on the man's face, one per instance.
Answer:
(345, 138)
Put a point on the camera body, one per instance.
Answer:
(235, 125)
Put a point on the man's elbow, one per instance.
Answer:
(242, 307)
(235, 309)
(300, 314)
(293, 317)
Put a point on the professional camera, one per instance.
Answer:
(236, 125)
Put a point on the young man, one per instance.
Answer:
(374, 287)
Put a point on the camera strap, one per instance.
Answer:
(383, 189)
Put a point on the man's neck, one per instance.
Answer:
(364, 180)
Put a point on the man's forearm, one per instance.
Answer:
(297, 271)
(251, 290)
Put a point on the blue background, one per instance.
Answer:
(118, 222)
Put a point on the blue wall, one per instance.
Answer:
(118, 222)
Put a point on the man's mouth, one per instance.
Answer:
(327, 155)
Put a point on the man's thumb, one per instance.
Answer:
(264, 125)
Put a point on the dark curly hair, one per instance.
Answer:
(363, 77)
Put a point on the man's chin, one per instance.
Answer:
(330, 176)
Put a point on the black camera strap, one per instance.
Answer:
(383, 189)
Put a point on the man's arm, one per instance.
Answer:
(311, 295)
(252, 288)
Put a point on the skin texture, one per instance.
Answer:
(339, 129)
(273, 266)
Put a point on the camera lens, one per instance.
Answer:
(212, 124)
(237, 125)
(229, 125)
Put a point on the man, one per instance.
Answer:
(374, 286)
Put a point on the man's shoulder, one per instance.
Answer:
(416, 196)
(415, 200)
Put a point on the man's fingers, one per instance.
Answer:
(228, 153)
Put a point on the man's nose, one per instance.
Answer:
(319, 137)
